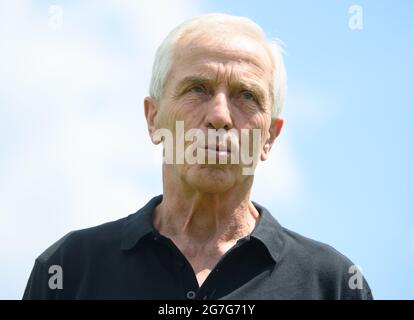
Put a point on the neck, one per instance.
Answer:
(204, 218)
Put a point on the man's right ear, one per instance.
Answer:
(151, 112)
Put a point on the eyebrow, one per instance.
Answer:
(198, 79)
(251, 85)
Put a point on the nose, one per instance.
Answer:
(218, 114)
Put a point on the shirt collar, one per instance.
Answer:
(269, 232)
(139, 224)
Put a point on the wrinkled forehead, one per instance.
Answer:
(198, 51)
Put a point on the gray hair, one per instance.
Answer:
(207, 24)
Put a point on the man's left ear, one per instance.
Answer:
(276, 125)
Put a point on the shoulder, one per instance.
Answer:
(321, 264)
(319, 254)
(88, 241)
(74, 257)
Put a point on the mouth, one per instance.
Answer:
(217, 148)
(217, 151)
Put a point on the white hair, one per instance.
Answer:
(210, 24)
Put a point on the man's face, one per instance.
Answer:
(218, 84)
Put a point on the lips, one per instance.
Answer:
(217, 148)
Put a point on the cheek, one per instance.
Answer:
(255, 122)
(169, 114)
(265, 131)
(183, 111)
(262, 123)
(192, 110)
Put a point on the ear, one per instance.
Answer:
(151, 112)
(274, 130)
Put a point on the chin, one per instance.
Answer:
(211, 179)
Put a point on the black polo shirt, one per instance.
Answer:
(130, 259)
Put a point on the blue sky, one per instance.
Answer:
(75, 152)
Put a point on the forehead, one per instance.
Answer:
(222, 57)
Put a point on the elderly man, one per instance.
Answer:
(203, 238)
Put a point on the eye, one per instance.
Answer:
(248, 95)
(197, 89)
